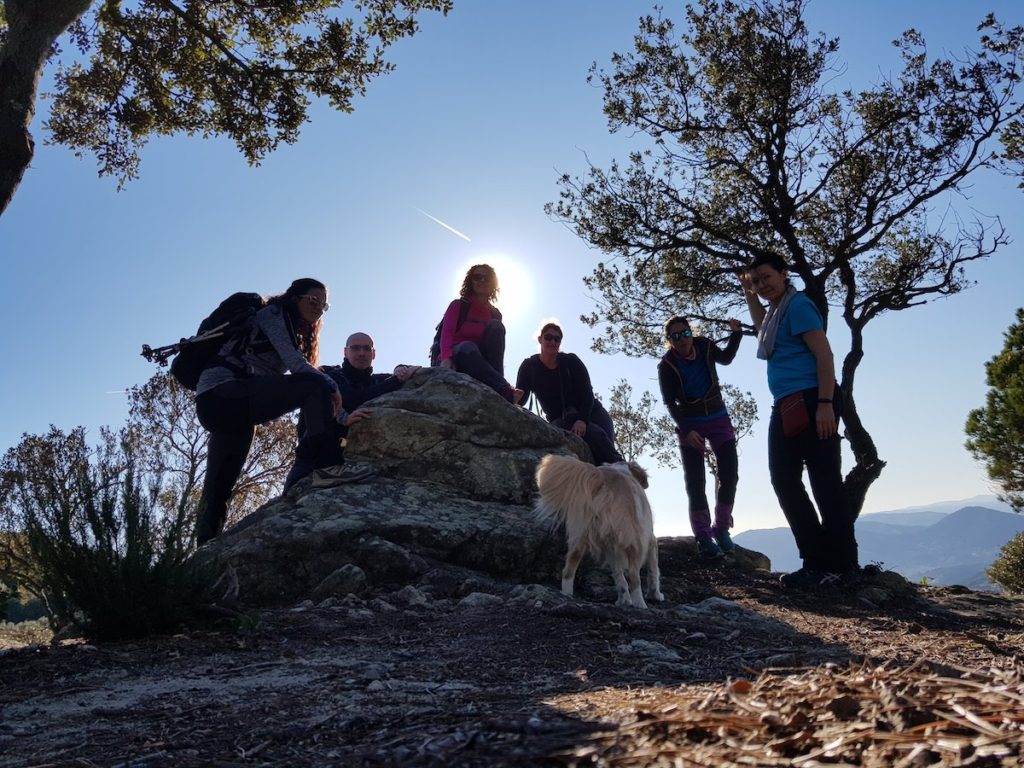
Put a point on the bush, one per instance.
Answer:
(101, 555)
(1008, 569)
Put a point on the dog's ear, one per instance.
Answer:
(639, 473)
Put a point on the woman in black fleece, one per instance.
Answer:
(562, 385)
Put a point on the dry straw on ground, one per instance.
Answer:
(827, 716)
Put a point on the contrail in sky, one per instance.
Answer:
(453, 230)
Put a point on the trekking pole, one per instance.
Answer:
(160, 355)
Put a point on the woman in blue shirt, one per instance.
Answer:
(803, 428)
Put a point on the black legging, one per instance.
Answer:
(231, 412)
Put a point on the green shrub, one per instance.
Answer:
(102, 556)
(1008, 569)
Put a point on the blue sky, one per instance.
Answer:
(486, 108)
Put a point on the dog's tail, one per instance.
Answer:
(561, 481)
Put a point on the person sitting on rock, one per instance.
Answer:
(561, 383)
(473, 336)
(357, 384)
(355, 377)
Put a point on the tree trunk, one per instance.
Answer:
(33, 27)
(868, 467)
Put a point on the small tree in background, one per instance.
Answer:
(638, 432)
(170, 442)
(995, 433)
(1008, 569)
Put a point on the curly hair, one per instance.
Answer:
(467, 282)
(307, 337)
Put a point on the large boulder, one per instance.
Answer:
(454, 489)
(444, 427)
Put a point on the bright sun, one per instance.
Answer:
(515, 283)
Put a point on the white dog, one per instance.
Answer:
(606, 515)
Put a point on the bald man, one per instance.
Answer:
(355, 377)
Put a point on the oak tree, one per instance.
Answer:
(126, 70)
(744, 148)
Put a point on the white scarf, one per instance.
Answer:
(770, 326)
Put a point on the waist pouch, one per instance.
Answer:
(794, 415)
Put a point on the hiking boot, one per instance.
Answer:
(724, 541)
(708, 549)
(339, 474)
(804, 578)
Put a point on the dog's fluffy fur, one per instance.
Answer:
(606, 515)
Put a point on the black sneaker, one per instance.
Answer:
(724, 541)
(708, 549)
(804, 578)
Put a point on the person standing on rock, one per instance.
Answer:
(472, 335)
(247, 385)
(690, 390)
(562, 385)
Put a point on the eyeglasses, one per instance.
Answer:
(360, 347)
(677, 335)
(552, 337)
(316, 301)
(479, 276)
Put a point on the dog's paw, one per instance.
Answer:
(658, 597)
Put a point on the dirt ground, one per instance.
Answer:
(730, 670)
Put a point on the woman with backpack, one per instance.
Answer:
(803, 430)
(561, 383)
(246, 385)
(472, 336)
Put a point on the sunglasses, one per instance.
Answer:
(479, 276)
(552, 337)
(361, 347)
(677, 335)
(316, 301)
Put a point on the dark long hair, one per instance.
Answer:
(467, 292)
(305, 335)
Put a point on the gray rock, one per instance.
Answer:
(649, 650)
(444, 427)
(349, 579)
(409, 595)
(480, 600)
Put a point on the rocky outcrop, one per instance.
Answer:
(445, 428)
(449, 510)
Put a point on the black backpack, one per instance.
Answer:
(233, 317)
(435, 348)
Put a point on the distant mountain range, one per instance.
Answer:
(947, 542)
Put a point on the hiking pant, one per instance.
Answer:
(720, 434)
(231, 411)
(827, 543)
(485, 362)
(600, 435)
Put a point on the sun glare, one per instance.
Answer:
(514, 282)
